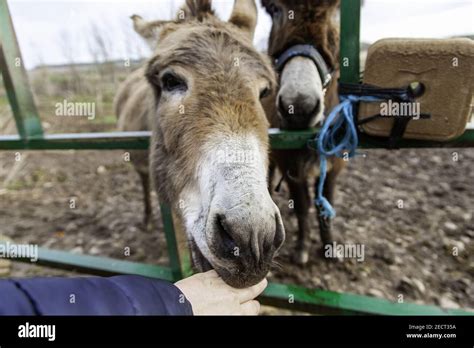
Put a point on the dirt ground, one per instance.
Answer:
(423, 251)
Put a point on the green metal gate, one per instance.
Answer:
(31, 137)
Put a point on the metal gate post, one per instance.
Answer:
(350, 41)
(16, 79)
(176, 243)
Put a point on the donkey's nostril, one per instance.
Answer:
(224, 233)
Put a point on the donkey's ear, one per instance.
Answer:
(244, 16)
(150, 31)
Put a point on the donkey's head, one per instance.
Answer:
(304, 44)
(209, 152)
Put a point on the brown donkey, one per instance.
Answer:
(304, 43)
(200, 93)
(138, 121)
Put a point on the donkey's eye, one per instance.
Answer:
(171, 83)
(274, 10)
(265, 92)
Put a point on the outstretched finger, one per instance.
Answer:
(250, 308)
(252, 292)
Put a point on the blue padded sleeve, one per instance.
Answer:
(120, 295)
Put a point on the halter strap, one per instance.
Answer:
(310, 52)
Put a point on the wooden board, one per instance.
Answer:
(446, 70)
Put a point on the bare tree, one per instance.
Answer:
(101, 49)
(39, 76)
(68, 49)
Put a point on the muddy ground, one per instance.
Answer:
(423, 251)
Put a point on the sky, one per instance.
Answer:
(62, 31)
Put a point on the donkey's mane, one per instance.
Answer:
(197, 9)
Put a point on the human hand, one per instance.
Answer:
(210, 295)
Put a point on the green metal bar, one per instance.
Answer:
(286, 296)
(285, 140)
(280, 140)
(329, 302)
(350, 41)
(180, 260)
(98, 265)
(79, 141)
(16, 79)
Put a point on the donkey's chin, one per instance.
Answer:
(298, 122)
(301, 124)
(231, 275)
(242, 280)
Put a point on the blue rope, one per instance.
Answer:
(330, 143)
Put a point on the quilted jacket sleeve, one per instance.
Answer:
(119, 295)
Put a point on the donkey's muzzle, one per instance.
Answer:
(244, 247)
(300, 112)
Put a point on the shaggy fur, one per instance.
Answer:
(224, 75)
(223, 103)
(132, 115)
(312, 24)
